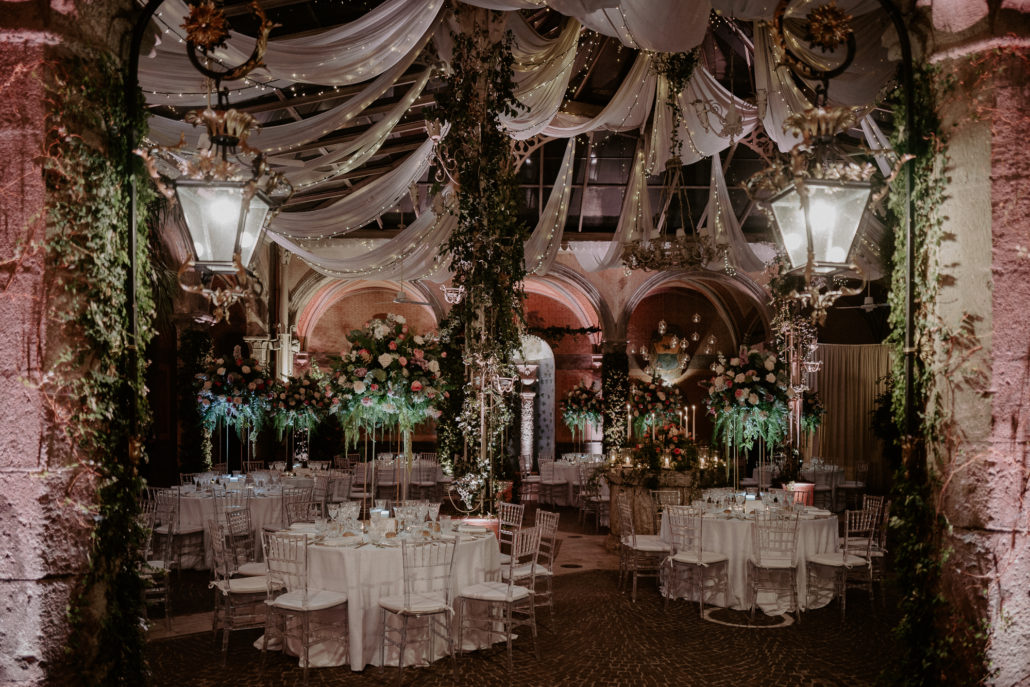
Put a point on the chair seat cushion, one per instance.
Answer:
(494, 591)
(646, 542)
(774, 563)
(851, 484)
(317, 600)
(838, 560)
(523, 572)
(531, 479)
(252, 569)
(554, 483)
(242, 585)
(429, 602)
(706, 558)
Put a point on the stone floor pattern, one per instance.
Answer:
(597, 637)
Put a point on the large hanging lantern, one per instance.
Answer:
(226, 190)
(818, 220)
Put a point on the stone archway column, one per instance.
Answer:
(526, 426)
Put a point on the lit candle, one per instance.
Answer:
(629, 424)
(693, 421)
(652, 426)
(683, 416)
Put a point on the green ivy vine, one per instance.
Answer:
(677, 68)
(486, 248)
(615, 395)
(86, 246)
(936, 644)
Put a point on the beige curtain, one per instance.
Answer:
(848, 386)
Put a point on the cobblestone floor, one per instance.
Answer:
(598, 637)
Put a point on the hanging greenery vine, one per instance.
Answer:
(936, 645)
(615, 395)
(677, 68)
(486, 248)
(91, 383)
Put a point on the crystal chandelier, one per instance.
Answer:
(679, 248)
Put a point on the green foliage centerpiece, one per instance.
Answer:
(233, 391)
(581, 408)
(748, 400)
(389, 377)
(653, 404)
(299, 404)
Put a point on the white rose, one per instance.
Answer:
(771, 378)
(719, 369)
(399, 319)
(419, 340)
(752, 399)
(739, 378)
(385, 359)
(245, 369)
(359, 387)
(734, 362)
(770, 364)
(433, 366)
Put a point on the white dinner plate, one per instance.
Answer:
(472, 529)
(342, 541)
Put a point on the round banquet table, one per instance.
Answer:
(731, 535)
(198, 508)
(367, 573)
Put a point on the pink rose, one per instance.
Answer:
(361, 372)
(418, 353)
(392, 345)
(402, 360)
(373, 386)
(416, 386)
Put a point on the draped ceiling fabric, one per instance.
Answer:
(413, 254)
(724, 229)
(374, 53)
(711, 119)
(848, 383)
(360, 207)
(542, 71)
(542, 246)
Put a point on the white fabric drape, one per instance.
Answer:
(542, 71)
(657, 25)
(628, 109)
(360, 207)
(542, 246)
(359, 151)
(351, 53)
(415, 253)
(777, 95)
(635, 220)
(282, 137)
(848, 386)
(711, 117)
(723, 228)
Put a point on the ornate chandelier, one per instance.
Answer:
(679, 248)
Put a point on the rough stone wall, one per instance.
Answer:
(42, 539)
(984, 380)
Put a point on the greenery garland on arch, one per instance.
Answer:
(486, 249)
(87, 251)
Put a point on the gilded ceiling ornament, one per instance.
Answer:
(206, 26)
(828, 26)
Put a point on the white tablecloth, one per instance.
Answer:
(195, 510)
(732, 536)
(368, 573)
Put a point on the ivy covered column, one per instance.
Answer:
(69, 482)
(615, 393)
(960, 532)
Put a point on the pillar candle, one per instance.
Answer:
(693, 421)
(629, 424)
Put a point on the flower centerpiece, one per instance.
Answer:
(812, 411)
(748, 398)
(390, 376)
(652, 404)
(299, 404)
(233, 391)
(581, 408)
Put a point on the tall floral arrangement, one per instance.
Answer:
(581, 408)
(299, 403)
(390, 376)
(653, 403)
(812, 411)
(234, 391)
(747, 398)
